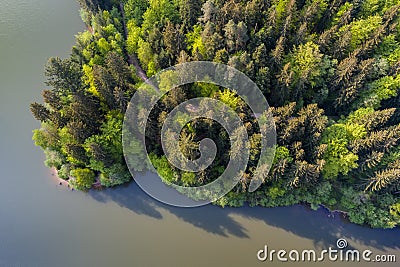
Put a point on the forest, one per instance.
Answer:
(330, 71)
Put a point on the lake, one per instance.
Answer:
(44, 224)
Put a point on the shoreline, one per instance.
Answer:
(60, 181)
(54, 175)
(334, 211)
(323, 210)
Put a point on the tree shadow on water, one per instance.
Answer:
(321, 226)
(210, 218)
(128, 196)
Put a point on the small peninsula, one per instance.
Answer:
(330, 71)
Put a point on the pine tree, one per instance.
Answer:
(376, 120)
(379, 141)
(77, 152)
(350, 89)
(40, 112)
(230, 30)
(86, 117)
(52, 99)
(209, 11)
(211, 39)
(189, 11)
(64, 76)
(105, 85)
(278, 52)
(388, 179)
(173, 40)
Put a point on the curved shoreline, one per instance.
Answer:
(60, 181)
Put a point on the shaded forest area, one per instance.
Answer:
(330, 70)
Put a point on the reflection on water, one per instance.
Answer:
(321, 226)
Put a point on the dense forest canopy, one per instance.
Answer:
(329, 69)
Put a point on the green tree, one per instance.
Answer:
(388, 179)
(63, 75)
(173, 40)
(339, 159)
(84, 178)
(195, 41)
(134, 35)
(134, 9)
(40, 112)
(189, 11)
(159, 11)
